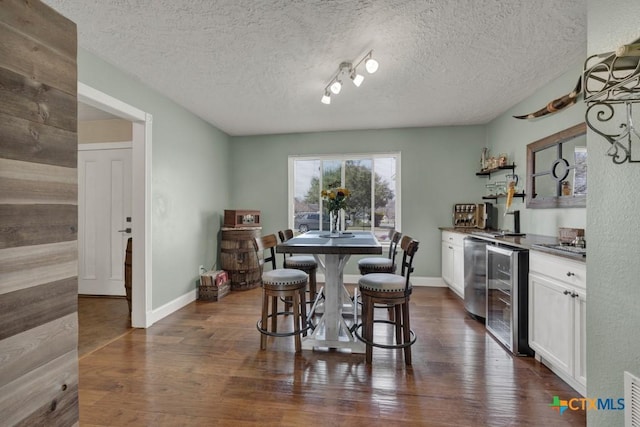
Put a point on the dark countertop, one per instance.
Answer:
(526, 242)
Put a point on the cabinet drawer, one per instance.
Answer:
(568, 271)
(453, 238)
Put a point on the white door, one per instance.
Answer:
(104, 211)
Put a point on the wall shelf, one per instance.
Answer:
(488, 172)
(502, 196)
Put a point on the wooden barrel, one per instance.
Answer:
(238, 257)
(127, 272)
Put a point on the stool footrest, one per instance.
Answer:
(380, 345)
(281, 334)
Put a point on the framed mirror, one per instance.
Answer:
(557, 170)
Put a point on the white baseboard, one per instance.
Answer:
(175, 305)
(172, 306)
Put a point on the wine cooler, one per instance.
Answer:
(507, 297)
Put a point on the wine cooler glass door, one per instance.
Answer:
(500, 273)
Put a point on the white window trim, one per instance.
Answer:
(343, 158)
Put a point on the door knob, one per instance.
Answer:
(126, 230)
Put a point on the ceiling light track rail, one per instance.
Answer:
(350, 71)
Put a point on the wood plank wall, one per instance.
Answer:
(38, 216)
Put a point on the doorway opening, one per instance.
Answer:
(140, 218)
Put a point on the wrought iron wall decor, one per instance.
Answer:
(611, 88)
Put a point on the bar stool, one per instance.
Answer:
(306, 263)
(393, 290)
(382, 264)
(279, 283)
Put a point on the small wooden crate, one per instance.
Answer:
(214, 285)
(241, 218)
(568, 235)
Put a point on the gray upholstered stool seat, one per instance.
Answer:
(382, 264)
(383, 282)
(284, 278)
(300, 262)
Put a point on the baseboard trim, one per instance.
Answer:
(172, 306)
(352, 279)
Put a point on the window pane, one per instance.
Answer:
(306, 188)
(385, 197)
(358, 181)
(362, 175)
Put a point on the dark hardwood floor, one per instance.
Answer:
(202, 366)
(100, 321)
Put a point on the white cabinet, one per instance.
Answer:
(557, 307)
(453, 261)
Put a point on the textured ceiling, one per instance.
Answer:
(260, 66)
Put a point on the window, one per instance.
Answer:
(372, 179)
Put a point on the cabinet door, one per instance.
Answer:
(580, 302)
(551, 321)
(447, 263)
(458, 270)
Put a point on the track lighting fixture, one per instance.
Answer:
(350, 70)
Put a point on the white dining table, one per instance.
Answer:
(334, 303)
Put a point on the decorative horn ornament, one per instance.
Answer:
(556, 104)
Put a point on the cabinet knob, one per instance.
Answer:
(566, 292)
(574, 295)
(569, 274)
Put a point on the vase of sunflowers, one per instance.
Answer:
(335, 201)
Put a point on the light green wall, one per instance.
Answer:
(613, 270)
(438, 169)
(190, 184)
(509, 135)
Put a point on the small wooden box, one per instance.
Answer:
(241, 218)
(214, 285)
(568, 235)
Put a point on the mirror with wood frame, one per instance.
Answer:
(557, 170)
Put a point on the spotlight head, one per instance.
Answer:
(336, 87)
(326, 98)
(371, 65)
(357, 78)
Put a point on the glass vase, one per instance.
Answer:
(335, 222)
